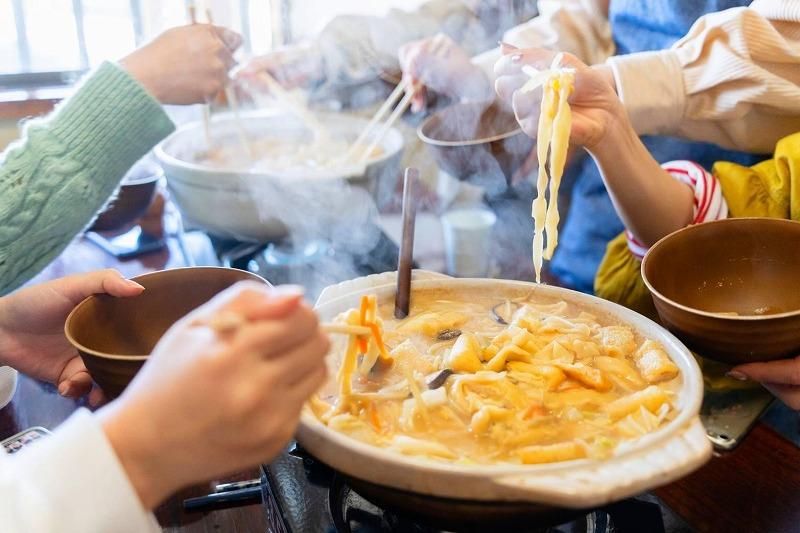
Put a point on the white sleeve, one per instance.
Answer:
(579, 27)
(733, 80)
(70, 482)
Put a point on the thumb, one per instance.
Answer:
(108, 281)
(507, 48)
(230, 38)
(254, 301)
(282, 302)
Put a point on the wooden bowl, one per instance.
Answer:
(134, 196)
(729, 289)
(114, 336)
(476, 140)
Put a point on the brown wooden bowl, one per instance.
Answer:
(700, 275)
(134, 196)
(114, 336)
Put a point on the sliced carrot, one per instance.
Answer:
(376, 334)
(362, 316)
(373, 416)
(535, 409)
(373, 308)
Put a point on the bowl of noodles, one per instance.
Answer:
(263, 170)
(502, 391)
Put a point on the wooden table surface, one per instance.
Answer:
(752, 489)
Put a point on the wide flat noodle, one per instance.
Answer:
(555, 121)
(554, 383)
(539, 207)
(559, 145)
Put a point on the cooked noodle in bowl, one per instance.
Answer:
(297, 154)
(573, 402)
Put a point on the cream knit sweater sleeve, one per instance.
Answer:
(66, 166)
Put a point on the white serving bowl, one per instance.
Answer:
(670, 452)
(258, 206)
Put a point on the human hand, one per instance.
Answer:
(439, 64)
(595, 106)
(32, 336)
(185, 65)
(295, 66)
(781, 378)
(210, 402)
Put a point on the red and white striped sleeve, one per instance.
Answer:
(709, 204)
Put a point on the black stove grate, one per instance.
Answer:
(303, 495)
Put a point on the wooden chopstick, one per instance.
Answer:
(345, 329)
(230, 96)
(402, 106)
(299, 110)
(390, 101)
(192, 12)
(402, 301)
(233, 102)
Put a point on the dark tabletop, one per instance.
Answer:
(753, 488)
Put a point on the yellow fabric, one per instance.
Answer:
(768, 189)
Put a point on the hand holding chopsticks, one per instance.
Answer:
(230, 96)
(402, 95)
(320, 132)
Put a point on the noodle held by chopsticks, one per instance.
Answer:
(553, 136)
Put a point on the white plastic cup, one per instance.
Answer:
(467, 241)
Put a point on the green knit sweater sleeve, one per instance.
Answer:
(66, 166)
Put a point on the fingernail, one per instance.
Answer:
(736, 375)
(289, 290)
(516, 58)
(133, 284)
(63, 388)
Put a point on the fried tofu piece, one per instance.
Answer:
(617, 341)
(464, 356)
(653, 363)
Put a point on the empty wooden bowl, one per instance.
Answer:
(135, 194)
(729, 289)
(114, 336)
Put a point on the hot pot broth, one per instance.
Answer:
(555, 383)
(287, 154)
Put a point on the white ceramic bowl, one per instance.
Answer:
(258, 206)
(669, 453)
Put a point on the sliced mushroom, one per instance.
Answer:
(504, 311)
(448, 334)
(438, 380)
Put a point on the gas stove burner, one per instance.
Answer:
(302, 494)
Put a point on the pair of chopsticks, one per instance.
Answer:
(298, 109)
(402, 95)
(228, 493)
(230, 96)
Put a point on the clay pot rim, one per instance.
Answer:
(102, 355)
(718, 316)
